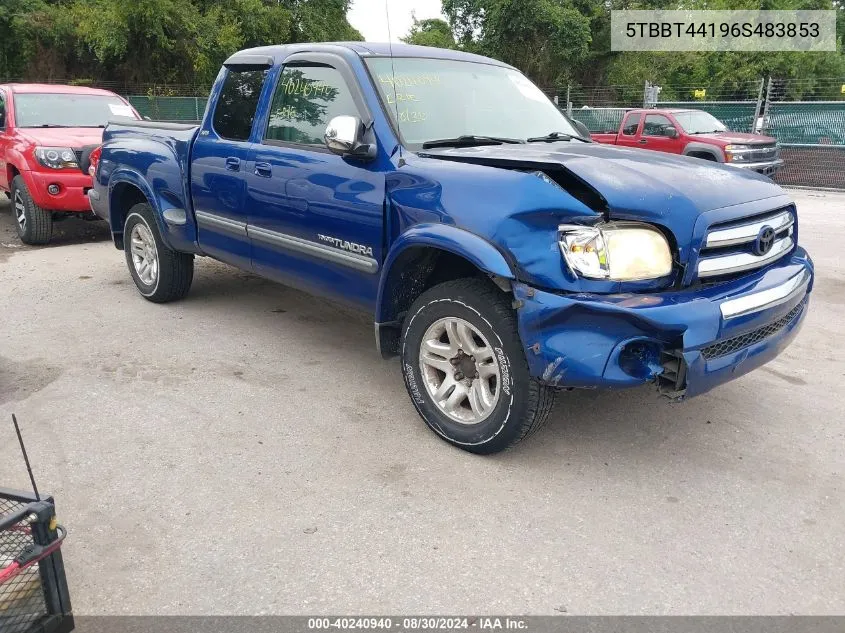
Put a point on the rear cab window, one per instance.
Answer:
(632, 122)
(234, 113)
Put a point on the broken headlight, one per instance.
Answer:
(618, 251)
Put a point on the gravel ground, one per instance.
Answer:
(246, 451)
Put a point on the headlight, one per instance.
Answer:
(619, 251)
(56, 157)
(736, 153)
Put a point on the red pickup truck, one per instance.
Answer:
(694, 133)
(43, 130)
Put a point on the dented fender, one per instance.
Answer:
(478, 251)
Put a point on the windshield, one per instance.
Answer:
(67, 110)
(442, 99)
(699, 122)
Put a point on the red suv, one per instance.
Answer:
(43, 130)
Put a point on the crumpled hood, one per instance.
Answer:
(649, 185)
(681, 195)
(73, 137)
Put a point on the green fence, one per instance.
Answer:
(169, 108)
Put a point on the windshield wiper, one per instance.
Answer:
(45, 125)
(551, 136)
(469, 140)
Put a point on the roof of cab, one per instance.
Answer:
(366, 49)
(57, 89)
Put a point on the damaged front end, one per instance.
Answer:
(686, 341)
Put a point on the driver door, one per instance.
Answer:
(315, 218)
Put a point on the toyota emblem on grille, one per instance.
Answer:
(765, 240)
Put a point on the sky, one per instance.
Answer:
(369, 17)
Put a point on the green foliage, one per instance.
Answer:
(433, 32)
(558, 41)
(154, 41)
(543, 38)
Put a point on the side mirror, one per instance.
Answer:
(670, 131)
(344, 137)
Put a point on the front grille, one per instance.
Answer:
(731, 345)
(761, 154)
(78, 153)
(731, 247)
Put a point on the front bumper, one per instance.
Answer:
(767, 168)
(688, 341)
(73, 189)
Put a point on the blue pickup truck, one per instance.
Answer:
(503, 256)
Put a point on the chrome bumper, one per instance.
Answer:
(757, 301)
(766, 167)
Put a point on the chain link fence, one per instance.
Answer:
(807, 117)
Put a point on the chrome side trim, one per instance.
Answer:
(214, 222)
(299, 245)
(727, 264)
(757, 301)
(748, 232)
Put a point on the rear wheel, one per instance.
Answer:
(34, 224)
(160, 273)
(465, 368)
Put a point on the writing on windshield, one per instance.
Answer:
(433, 99)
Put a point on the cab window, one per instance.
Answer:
(631, 124)
(2, 111)
(655, 125)
(307, 97)
(237, 103)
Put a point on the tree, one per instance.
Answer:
(431, 32)
(153, 41)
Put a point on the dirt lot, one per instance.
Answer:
(247, 451)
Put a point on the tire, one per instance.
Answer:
(168, 274)
(521, 405)
(34, 224)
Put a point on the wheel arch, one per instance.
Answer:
(704, 151)
(424, 257)
(126, 189)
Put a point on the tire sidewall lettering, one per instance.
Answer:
(421, 401)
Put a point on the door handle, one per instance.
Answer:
(642, 141)
(263, 169)
(233, 163)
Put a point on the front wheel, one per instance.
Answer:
(160, 273)
(34, 224)
(465, 368)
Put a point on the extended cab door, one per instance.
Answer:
(655, 134)
(628, 136)
(315, 218)
(220, 165)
